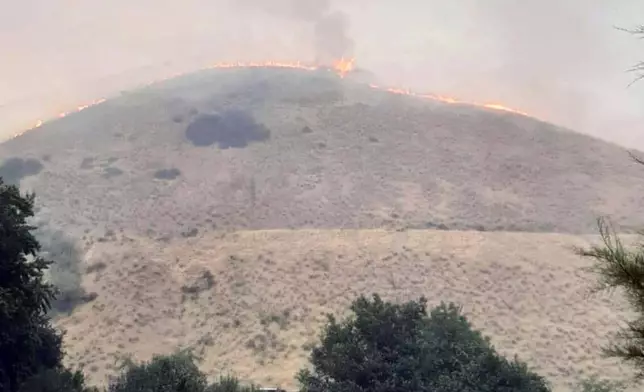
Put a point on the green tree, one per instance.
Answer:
(57, 380)
(28, 342)
(171, 373)
(384, 346)
(230, 384)
(620, 267)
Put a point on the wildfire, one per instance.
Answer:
(267, 64)
(341, 67)
(440, 98)
(81, 108)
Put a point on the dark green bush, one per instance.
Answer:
(230, 384)
(57, 380)
(399, 347)
(172, 373)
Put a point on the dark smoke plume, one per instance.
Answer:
(330, 27)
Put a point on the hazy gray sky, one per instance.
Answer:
(561, 60)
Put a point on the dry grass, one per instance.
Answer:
(271, 290)
(340, 155)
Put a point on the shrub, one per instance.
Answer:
(57, 380)
(172, 373)
(230, 384)
(595, 384)
(399, 347)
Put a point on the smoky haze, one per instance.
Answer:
(329, 27)
(560, 60)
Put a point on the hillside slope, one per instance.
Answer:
(269, 292)
(230, 209)
(275, 148)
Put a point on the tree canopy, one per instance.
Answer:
(400, 347)
(57, 380)
(619, 266)
(173, 373)
(28, 342)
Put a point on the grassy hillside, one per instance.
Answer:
(251, 302)
(269, 149)
(207, 211)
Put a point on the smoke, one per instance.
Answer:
(560, 60)
(65, 272)
(329, 27)
(331, 40)
(564, 60)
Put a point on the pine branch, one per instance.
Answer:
(615, 266)
(638, 68)
(619, 267)
(631, 348)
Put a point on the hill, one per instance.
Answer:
(229, 209)
(251, 302)
(287, 148)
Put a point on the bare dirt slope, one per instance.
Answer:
(270, 290)
(312, 150)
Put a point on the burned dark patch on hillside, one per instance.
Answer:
(111, 172)
(167, 174)
(15, 169)
(230, 129)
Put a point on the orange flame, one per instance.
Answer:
(440, 98)
(341, 67)
(80, 108)
(267, 64)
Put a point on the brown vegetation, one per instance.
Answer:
(269, 292)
